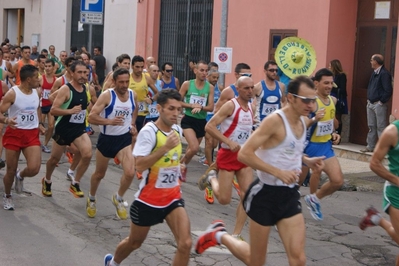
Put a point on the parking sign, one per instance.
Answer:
(91, 11)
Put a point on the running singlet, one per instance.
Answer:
(75, 121)
(233, 87)
(118, 108)
(170, 85)
(25, 109)
(20, 64)
(152, 108)
(196, 96)
(269, 100)
(393, 155)
(238, 126)
(322, 130)
(160, 185)
(216, 95)
(141, 89)
(46, 89)
(287, 155)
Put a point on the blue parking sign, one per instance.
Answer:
(92, 6)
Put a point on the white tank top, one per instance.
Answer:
(238, 126)
(118, 108)
(3, 65)
(25, 109)
(286, 156)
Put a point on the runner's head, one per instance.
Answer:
(324, 81)
(271, 70)
(242, 69)
(169, 106)
(301, 95)
(213, 76)
(29, 76)
(25, 52)
(245, 87)
(167, 69)
(68, 63)
(137, 65)
(153, 70)
(124, 61)
(201, 70)
(121, 80)
(49, 66)
(79, 72)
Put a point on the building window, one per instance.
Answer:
(275, 38)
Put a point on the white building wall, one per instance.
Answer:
(56, 24)
(119, 29)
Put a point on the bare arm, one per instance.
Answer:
(283, 96)
(7, 100)
(389, 139)
(99, 106)
(93, 94)
(210, 106)
(177, 83)
(62, 97)
(183, 91)
(56, 85)
(226, 95)
(151, 84)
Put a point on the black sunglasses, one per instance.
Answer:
(169, 70)
(304, 99)
(273, 70)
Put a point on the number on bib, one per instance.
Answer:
(269, 108)
(325, 128)
(27, 119)
(78, 118)
(168, 177)
(195, 99)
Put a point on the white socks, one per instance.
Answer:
(219, 235)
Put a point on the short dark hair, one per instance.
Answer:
(69, 60)
(27, 71)
(137, 58)
(268, 63)
(241, 66)
(165, 64)
(293, 86)
(42, 56)
(42, 51)
(73, 49)
(321, 73)
(120, 71)
(165, 95)
(25, 47)
(75, 64)
(122, 57)
(88, 55)
(212, 64)
(201, 62)
(49, 61)
(115, 66)
(98, 48)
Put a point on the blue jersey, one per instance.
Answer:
(270, 100)
(152, 108)
(170, 85)
(216, 96)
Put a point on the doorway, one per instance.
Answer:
(374, 36)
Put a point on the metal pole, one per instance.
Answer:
(223, 34)
(90, 38)
(186, 50)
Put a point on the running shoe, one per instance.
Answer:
(70, 157)
(139, 175)
(75, 190)
(45, 149)
(70, 176)
(203, 182)
(238, 237)
(7, 203)
(120, 208)
(236, 186)
(2, 163)
(91, 209)
(107, 259)
(208, 195)
(19, 183)
(366, 220)
(46, 188)
(202, 159)
(208, 238)
(116, 161)
(314, 207)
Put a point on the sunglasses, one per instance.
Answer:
(245, 74)
(169, 70)
(304, 99)
(12, 53)
(273, 70)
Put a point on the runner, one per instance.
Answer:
(168, 80)
(70, 106)
(275, 149)
(15, 70)
(22, 132)
(236, 121)
(159, 196)
(115, 112)
(46, 83)
(197, 97)
(3, 90)
(153, 114)
(387, 145)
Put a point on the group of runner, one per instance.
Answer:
(281, 132)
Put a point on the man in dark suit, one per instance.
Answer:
(379, 91)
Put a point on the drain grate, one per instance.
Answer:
(373, 178)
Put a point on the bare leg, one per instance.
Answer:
(84, 145)
(12, 165)
(314, 181)
(128, 164)
(99, 173)
(334, 173)
(193, 145)
(56, 153)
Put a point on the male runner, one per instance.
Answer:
(22, 132)
(236, 120)
(388, 144)
(115, 111)
(159, 196)
(275, 149)
(70, 106)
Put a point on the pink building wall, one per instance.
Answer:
(395, 97)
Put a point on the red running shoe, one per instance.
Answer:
(208, 238)
(116, 161)
(139, 175)
(70, 156)
(366, 220)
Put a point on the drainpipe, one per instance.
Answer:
(223, 34)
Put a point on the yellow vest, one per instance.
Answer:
(141, 89)
(325, 127)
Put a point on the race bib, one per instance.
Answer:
(46, 94)
(195, 99)
(269, 108)
(168, 177)
(240, 136)
(325, 128)
(27, 118)
(143, 106)
(153, 110)
(78, 118)
(122, 112)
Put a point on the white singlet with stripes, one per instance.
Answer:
(118, 108)
(25, 109)
(238, 126)
(285, 156)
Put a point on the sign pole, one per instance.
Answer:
(90, 38)
(223, 34)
